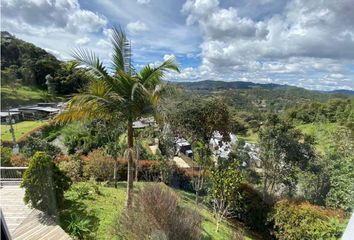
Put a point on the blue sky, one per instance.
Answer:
(296, 42)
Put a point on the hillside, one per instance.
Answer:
(24, 71)
(100, 204)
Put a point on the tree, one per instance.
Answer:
(45, 184)
(124, 95)
(224, 184)
(283, 150)
(197, 120)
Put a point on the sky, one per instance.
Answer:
(305, 43)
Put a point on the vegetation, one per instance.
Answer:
(45, 184)
(21, 129)
(100, 205)
(126, 95)
(305, 221)
(288, 176)
(158, 215)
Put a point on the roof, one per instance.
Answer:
(37, 108)
(6, 114)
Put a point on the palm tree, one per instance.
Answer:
(125, 95)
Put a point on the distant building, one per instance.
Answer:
(32, 112)
(144, 122)
(184, 147)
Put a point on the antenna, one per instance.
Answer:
(127, 52)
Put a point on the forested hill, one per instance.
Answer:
(212, 85)
(24, 68)
(28, 65)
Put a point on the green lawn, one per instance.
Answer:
(250, 137)
(322, 132)
(22, 95)
(20, 128)
(102, 206)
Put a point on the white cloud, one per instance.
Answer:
(136, 27)
(169, 56)
(304, 39)
(43, 17)
(143, 1)
(82, 41)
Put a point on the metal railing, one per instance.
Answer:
(11, 174)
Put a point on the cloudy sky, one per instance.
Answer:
(306, 43)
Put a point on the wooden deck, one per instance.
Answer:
(23, 222)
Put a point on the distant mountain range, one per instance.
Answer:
(212, 85)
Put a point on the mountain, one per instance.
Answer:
(221, 85)
(341, 91)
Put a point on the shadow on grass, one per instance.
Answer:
(77, 221)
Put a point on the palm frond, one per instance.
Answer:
(151, 76)
(90, 60)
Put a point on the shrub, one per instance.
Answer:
(18, 160)
(98, 165)
(249, 207)
(34, 144)
(5, 156)
(158, 216)
(71, 166)
(45, 184)
(302, 220)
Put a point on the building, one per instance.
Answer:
(32, 112)
(183, 147)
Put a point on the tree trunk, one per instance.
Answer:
(115, 173)
(136, 161)
(130, 177)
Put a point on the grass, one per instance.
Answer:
(102, 206)
(322, 132)
(250, 137)
(22, 95)
(20, 128)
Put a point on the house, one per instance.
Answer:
(32, 112)
(184, 147)
(39, 111)
(15, 116)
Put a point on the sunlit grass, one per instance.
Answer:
(20, 129)
(103, 207)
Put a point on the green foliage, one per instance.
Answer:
(73, 168)
(199, 118)
(250, 207)
(77, 226)
(293, 221)
(334, 110)
(98, 165)
(158, 215)
(283, 150)
(34, 144)
(5, 156)
(45, 184)
(30, 65)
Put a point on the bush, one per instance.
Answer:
(34, 144)
(98, 165)
(45, 184)
(5, 156)
(302, 220)
(71, 166)
(158, 216)
(249, 207)
(18, 160)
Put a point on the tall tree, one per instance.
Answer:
(197, 120)
(283, 150)
(125, 94)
